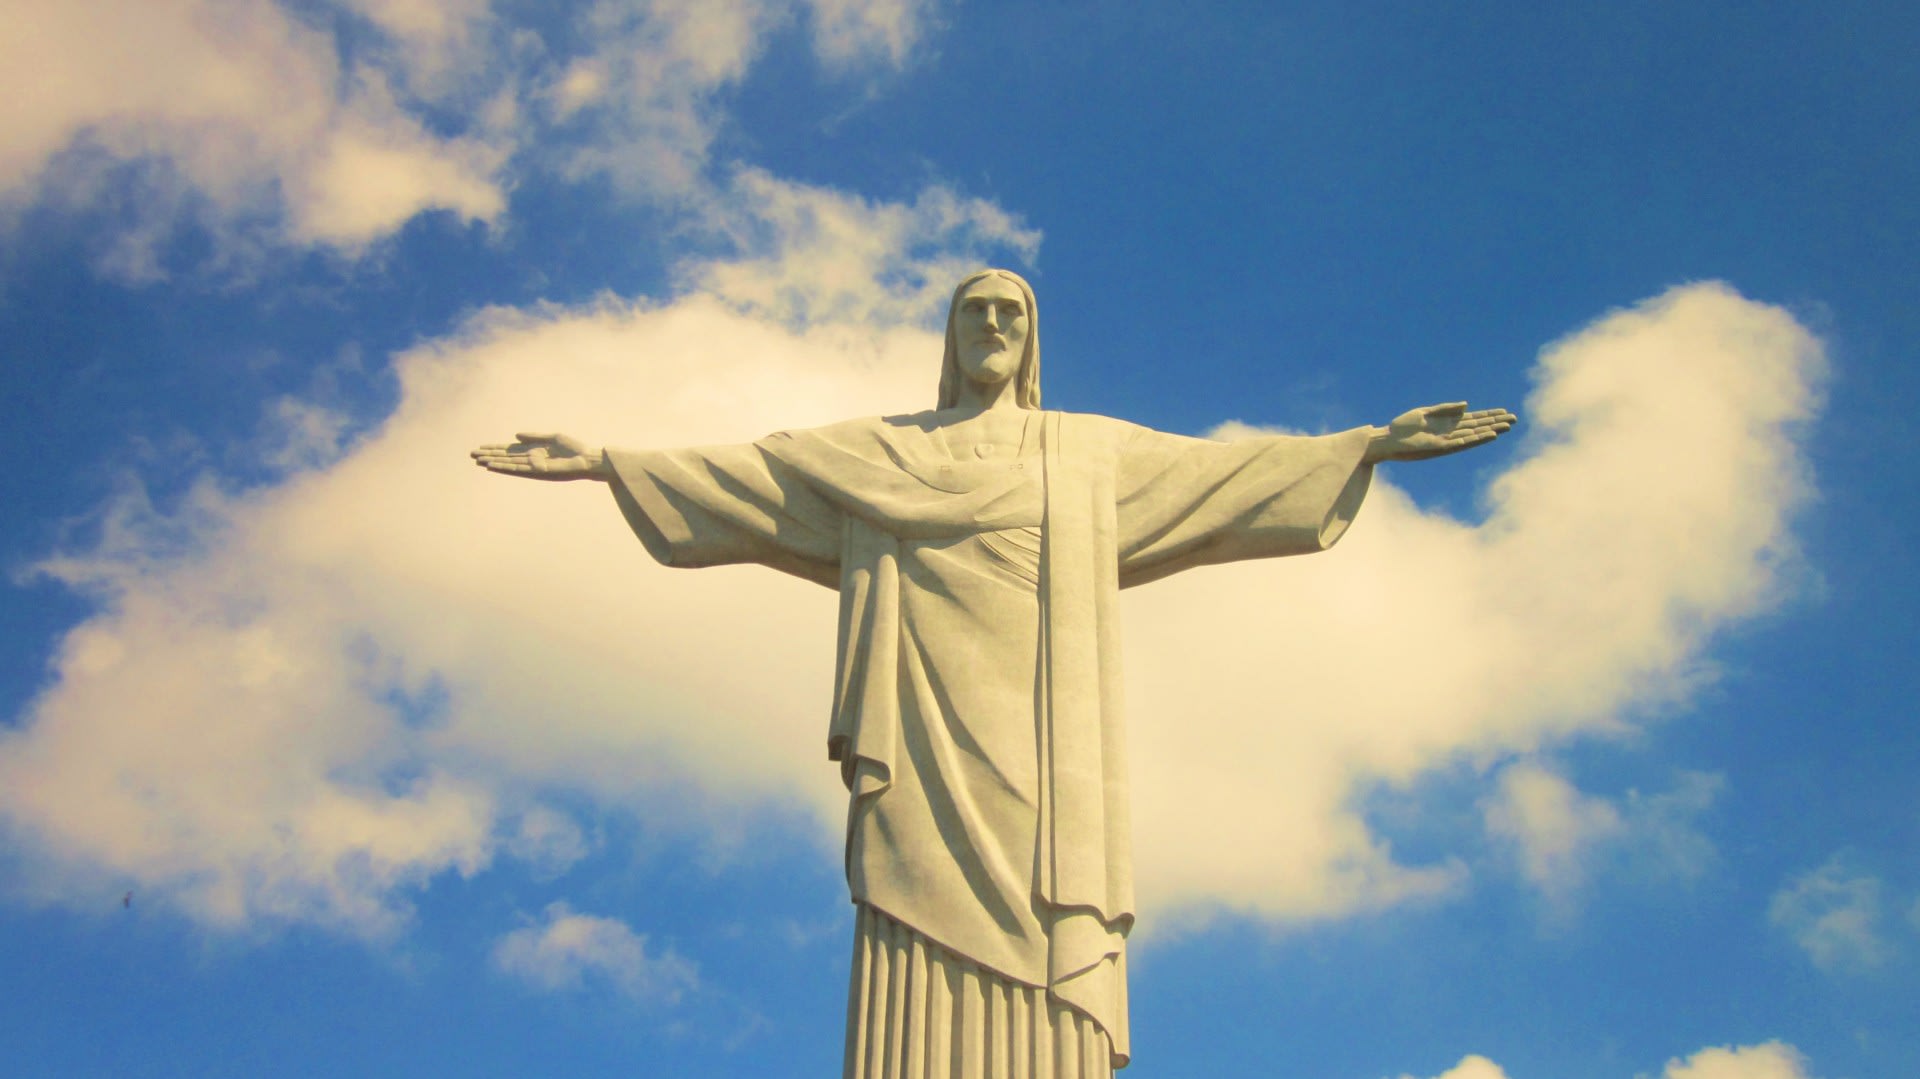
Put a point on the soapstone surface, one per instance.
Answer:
(978, 550)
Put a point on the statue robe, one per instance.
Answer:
(976, 713)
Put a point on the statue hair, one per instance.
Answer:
(1026, 381)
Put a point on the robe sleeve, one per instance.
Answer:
(726, 505)
(1185, 502)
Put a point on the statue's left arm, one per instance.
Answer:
(1184, 502)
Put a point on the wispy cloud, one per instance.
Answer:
(1550, 822)
(1560, 833)
(566, 950)
(238, 115)
(1836, 914)
(270, 123)
(849, 32)
(804, 255)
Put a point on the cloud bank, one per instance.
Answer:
(1652, 507)
(331, 125)
(298, 702)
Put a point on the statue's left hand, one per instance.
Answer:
(1437, 430)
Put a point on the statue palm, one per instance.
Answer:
(543, 457)
(1435, 431)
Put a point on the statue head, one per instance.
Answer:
(1005, 285)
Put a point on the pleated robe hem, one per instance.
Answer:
(918, 1011)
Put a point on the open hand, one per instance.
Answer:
(1437, 430)
(543, 457)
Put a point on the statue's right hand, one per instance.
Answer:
(544, 457)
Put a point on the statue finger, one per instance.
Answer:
(535, 436)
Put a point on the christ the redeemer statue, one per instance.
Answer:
(979, 550)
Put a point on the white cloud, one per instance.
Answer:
(1834, 913)
(1267, 694)
(548, 841)
(846, 32)
(1559, 832)
(809, 255)
(371, 173)
(642, 104)
(438, 41)
(1770, 1060)
(568, 949)
(1472, 1066)
(398, 636)
(1550, 822)
(237, 111)
(239, 116)
(401, 633)
(1662, 826)
(227, 745)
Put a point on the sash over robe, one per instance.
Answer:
(976, 716)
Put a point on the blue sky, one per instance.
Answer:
(1588, 754)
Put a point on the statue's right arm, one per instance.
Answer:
(545, 457)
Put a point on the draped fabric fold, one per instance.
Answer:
(977, 715)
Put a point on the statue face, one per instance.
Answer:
(990, 325)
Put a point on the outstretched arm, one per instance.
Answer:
(544, 457)
(1435, 431)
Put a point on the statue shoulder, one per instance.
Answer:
(872, 438)
(1084, 427)
(863, 427)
